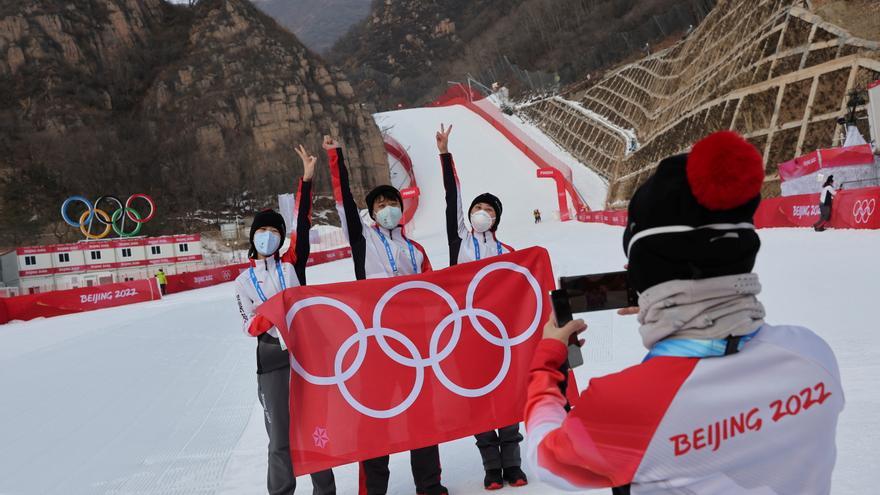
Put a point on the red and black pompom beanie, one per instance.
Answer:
(693, 219)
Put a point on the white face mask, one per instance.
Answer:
(481, 221)
(267, 242)
(389, 217)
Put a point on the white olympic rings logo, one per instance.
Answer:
(415, 360)
(863, 209)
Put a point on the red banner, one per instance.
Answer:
(64, 302)
(203, 278)
(834, 157)
(410, 198)
(853, 209)
(608, 217)
(321, 257)
(851, 155)
(213, 276)
(388, 365)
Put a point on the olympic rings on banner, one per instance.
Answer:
(863, 209)
(413, 359)
(115, 222)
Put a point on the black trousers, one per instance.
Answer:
(500, 449)
(425, 464)
(274, 392)
(824, 216)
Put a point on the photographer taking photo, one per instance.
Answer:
(723, 402)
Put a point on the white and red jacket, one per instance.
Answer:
(293, 270)
(761, 421)
(368, 252)
(462, 247)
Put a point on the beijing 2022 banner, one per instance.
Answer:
(387, 365)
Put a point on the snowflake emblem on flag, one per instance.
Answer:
(320, 437)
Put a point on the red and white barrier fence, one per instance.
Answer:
(62, 302)
(825, 158)
(853, 209)
(203, 278)
(213, 276)
(543, 159)
(608, 217)
(410, 194)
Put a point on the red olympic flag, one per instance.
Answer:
(389, 365)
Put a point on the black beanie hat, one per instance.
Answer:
(384, 191)
(491, 200)
(266, 218)
(693, 219)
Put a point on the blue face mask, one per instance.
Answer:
(389, 217)
(267, 242)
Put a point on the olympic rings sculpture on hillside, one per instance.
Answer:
(112, 222)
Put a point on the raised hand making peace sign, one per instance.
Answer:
(443, 138)
(308, 160)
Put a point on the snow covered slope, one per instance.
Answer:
(160, 398)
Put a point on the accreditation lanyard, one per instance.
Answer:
(257, 284)
(477, 247)
(412, 253)
(698, 348)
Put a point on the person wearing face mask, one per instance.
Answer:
(499, 449)
(270, 273)
(380, 249)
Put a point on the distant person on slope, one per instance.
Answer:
(499, 449)
(163, 281)
(380, 249)
(826, 199)
(269, 274)
(723, 403)
(537, 214)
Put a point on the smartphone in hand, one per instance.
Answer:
(586, 293)
(562, 310)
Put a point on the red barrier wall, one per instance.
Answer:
(411, 203)
(853, 209)
(458, 95)
(827, 158)
(328, 256)
(62, 302)
(608, 217)
(213, 276)
(203, 278)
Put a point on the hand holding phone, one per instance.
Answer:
(562, 311)
(585, 293)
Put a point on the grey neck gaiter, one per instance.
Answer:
(712, 308)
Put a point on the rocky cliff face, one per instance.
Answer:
(243, 78)
(199, 107)
(397, 54)
(48, 49)
(405, 51)
(317, 23)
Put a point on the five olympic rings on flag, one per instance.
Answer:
(414, 359)
(112, 222)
